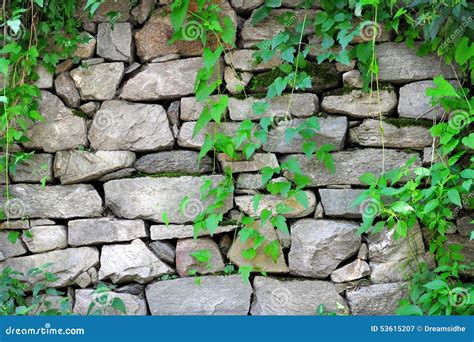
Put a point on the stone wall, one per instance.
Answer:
(117, 149)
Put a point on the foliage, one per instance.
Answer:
(102, 302)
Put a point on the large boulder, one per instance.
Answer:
(98, 82)
(319, 246)
(120, 125)
(380, 299)
(60, 129)
(214, 295)
(293, 297)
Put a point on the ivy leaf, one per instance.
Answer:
(279, 222)
(327, 42)
(210, 58)
(260, 13)
(288, 55)
(165, 219)
(464, 52)
(228, 33)
(202, 255)
(244, 272)
(443, 88)
(178, 13)
(260, 107)
(13, 236)
(273, 3)
(4, 66)
(454, 197)
(273, 250)
(249, 253)
(118, 305)
(401, 207)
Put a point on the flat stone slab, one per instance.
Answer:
(353, 271)
(134, 305)
(66, 264)
(380, 299)
(273, 297)
(148, 198)
(82, 166)
(120, 125)
(350, 165)
(368, 134)
(319, 246)
(104, 230)
(46, 238)
(178, 231)
(215, 295)
(58, 201)
(174, 161)
(338, 202)
(400, 64)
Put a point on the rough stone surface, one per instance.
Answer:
(400, 64)
(257, 162)
(46, 238)
(187, 264)
(10, 250)
(148, 198)
(235, 82)
(58, 201)
(120, 125)
(60, 129)
(45, 78)
(177, 231)
(191, 109)
(368, 134)
(123, 173)
(338, 202)
(66, 264)
(270, 202)
(186, 139)
(87, 49)
(381, 299)
(296, 297)
(350, 165)
(32, 170)
(361, 105)
(131, 262)
(353, 271)
(66, 90)
(104, 230)
(164, 250)
(215, 295)
(415, 104)
(101, 15)
(243, 60)
(82, 166)
(467, 252)
(353, 79)
(134, 305)
(141, 12)
(115, 44)
(174, 161)
(98, 82)
(465, 227)
(261, 261)
(319, 246)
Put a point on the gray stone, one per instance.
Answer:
(102, 14)
(381, 299)
(363, 252)
(92, 61)
(124, 173)
(9, 249)
(178, 231)
(353, 271)
(273, 297)
(90, 108)
(285, 238)
(148, 198)
(465, 227)
(42, 222)
(115, 44)
(186, 139)
(15, 224)
(256, 162)
(98, 82)
(271, 202)
(164, 250)
(35, 168)
(243, 60)
(319, 246)
(191, 109)
(467, 252)
(66, 90)
(301, 105)
(87, 49)
(132, 288)
(361, 105)
(250, 181)
(368, 134)
(338, 202)
(215, 295)
(66, 264)
(261, 262)
(84, 280)
(46, 238)
(58, 201)
(104, 230)
(158, 81)
(142, 11)
(400, 64)
(134, 305)
(81, 166)
(332, 131)
(352, 79)
(429, 158)
(350, 165)
(414, 103)
(60, 129)
(245, 6)
(187, 264)
(120, 125)
(235, 82)
(174, 161)
(45, 78)
(131, 262)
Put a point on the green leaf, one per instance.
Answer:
(464, 51)
(431, 205)
(260, 13)
(454, 197)
(202, 255)
(368, 178)
(13, 237)
(178, 13)
(4, 66)
(210, 58)
(249, 253)
(410, 310)
(436, 284)
(273, 3)
(119, 305)
(273, 250)
(401, 207)
(279, 222)
(244, 272)
(165, 219)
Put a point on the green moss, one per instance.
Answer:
(255, 95)
(79, 113)
(407, 122)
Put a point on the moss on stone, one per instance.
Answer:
(79, 113)
(407, 122)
